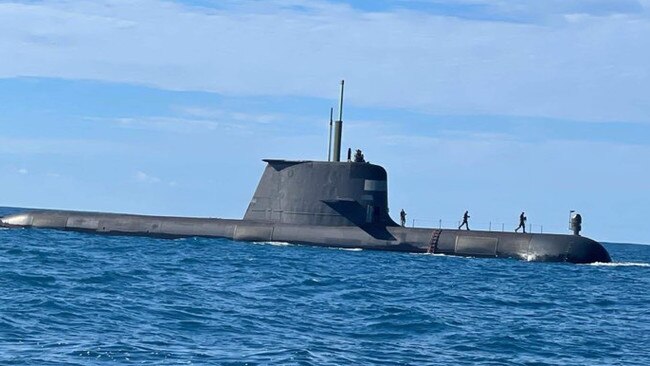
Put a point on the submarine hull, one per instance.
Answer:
(488, 244)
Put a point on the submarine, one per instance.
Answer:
(329, 203)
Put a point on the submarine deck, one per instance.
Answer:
(531, 247)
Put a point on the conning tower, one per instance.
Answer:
(321, 193)
(331, 193)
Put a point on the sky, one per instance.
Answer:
(496, 107)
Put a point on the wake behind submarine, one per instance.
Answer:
(325, 203)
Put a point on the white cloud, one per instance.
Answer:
(544, 9)
(256, 118)
(164, 123)
(143, 177)
(23, 171)
(230, 116)
(230, 123)
(53, 146)
(588, 68)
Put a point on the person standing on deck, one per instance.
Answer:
(402, 217)
(465, 217)
(522, 223)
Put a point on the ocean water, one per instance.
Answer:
(81, 299)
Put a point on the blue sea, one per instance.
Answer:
(83, 299)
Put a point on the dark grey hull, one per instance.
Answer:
(531, 247)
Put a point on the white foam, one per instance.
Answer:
(351, 249)
(620, 264)
(431, 254)
(531, 257)
(274, 243)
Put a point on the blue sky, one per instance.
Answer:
(168, 107)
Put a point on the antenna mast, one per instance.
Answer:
(338, 128)
(329, 145)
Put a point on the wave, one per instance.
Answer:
(620, 264)
(434, 254)
(274, 243)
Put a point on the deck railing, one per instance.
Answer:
(484, 226)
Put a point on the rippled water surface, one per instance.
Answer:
(71, 298)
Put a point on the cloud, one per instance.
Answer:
(521, 10)
(64, 146)
(233, 122)
(143, 177)
(23, 171)
(162, 123)
(585, 61)
(232, 116)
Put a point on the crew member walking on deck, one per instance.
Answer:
(465, 217)
(402, 217)
(522, 223)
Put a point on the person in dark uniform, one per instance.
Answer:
(522, 223)
(358, 157)
(402, 217)
(465, 217)
(576, 224)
